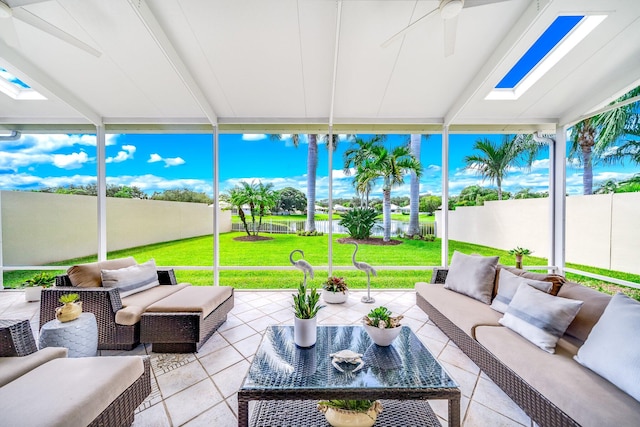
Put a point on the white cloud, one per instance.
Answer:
(254, 136)
(170, 161)
(125, 154)
(70, 161)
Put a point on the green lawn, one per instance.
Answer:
(198, 251)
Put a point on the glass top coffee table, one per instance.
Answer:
(288, 380)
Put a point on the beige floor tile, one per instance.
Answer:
(480, 416)
(219, 416)
(193, 401)
(178, 379)
(214, 343)
(431, 331)
(455, 356)
(231, 322)
(238, 333)
(155, 416)
(248, 346)
(219, 360)
(230, 380)
(250, 315)
(491, 396)
(259, 325)
(465, 379)
(284, 315)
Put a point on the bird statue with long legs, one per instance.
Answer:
(363, 266)
(302, 265)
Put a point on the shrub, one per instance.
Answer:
(309, 233)
(429, 237)
(359, 222)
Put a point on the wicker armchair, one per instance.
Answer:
(104, 303)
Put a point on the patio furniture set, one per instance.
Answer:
(565, 353)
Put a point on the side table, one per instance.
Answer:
(80, 336)
(16, 338)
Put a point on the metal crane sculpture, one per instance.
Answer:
(301, 264)
(367, 269)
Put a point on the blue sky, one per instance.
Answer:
(160, 162)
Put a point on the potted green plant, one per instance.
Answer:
(71, 308)
(519, 253)
(306, 306)
(335, 290)
(33, 287)
(381, 326)
(351, 413)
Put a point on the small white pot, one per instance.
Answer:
(304, 332)
(382, 337)
(33, 293)
(334, 297)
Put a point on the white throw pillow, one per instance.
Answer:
(131, 280)
(508, 285)
(539, 317)
(612, 349)
(472, 276)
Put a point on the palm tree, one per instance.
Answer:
(414, 194)
(494, 160)
(356, 157)
(260, 198)
(593, 137)
(391, 166)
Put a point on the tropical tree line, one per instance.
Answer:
(132, 192)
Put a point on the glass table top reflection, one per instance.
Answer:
(406, 364)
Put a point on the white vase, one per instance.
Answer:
(382, 337)
(334, 297)
(32, 293)
(304, 332)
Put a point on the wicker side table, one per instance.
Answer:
(16, 338)
(80, 336)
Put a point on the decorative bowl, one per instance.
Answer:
(382, 337)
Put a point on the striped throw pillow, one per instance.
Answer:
(131, 280)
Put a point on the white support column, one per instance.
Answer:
(102, 192)
(557, 198)
(445, 197)
(330, 233)
(1, 253)
(216, 209)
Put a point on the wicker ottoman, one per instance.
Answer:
(16, 338)
(183, 321)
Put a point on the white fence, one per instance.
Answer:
(601, 230)
(288, 226)
(38, 228)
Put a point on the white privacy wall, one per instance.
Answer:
(601, 230)
(38, 228)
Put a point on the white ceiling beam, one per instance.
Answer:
(158, 34)
(336, 53)
(39, 80)
(528, 18)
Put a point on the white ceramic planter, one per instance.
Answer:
(382, 337)
(304, 332)
(334, 297)
(33, 293)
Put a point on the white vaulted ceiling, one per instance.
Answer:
(254, 63)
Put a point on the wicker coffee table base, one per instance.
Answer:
(294, 413)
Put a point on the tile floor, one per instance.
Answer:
(200, 388)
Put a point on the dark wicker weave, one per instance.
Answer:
(121, 411)
(182, 332)
(16, 338)
(534, 404)
(303, 413)
(103, 303)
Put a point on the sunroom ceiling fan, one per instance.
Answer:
(12, 9)
(448, 11)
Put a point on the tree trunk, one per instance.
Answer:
(243, 218)
(312, 166)
(586, 141)
(414, 195)
(499, 183)
(386, 214)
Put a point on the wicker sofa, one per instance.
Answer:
(46, 388)
(173, 317)
(553, 389)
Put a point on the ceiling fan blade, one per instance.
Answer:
(474, 3)
(8, 32)
(18, 3)
(407, 28)
(450, 29)
(42, 25)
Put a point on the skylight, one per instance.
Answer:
(564, 33)
(15, 88)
